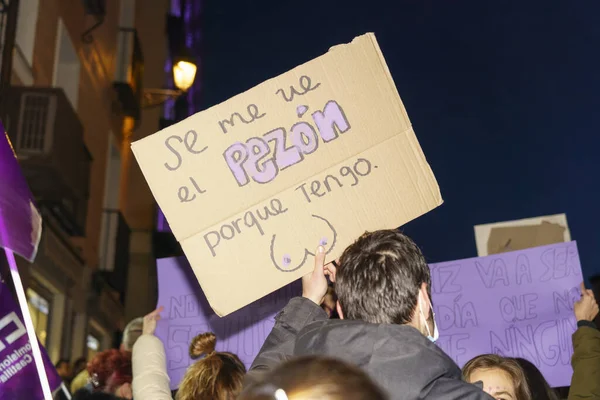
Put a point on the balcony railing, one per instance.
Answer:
(48, 138)
(129, 72)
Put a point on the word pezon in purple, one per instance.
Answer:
(250, 160)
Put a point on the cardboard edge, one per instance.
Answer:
(221, 313)
(479, 230)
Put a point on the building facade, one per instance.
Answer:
(75, 105)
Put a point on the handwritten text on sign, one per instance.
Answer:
(261, 158)
(187, 314)
(253, 185)
(517, 304)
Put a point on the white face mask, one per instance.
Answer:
(436, 333)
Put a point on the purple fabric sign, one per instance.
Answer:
(187, 313)
(20, 222)
(18, 375)
(517, 304)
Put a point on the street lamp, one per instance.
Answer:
(184, 73)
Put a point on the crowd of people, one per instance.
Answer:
(364, 328)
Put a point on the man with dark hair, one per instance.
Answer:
(63, 368)
(386, 323)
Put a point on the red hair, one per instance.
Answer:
(110, 369)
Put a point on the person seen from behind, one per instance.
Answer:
(110, 372)
(386, 323)
(214, 376)
(502, 378)
(131, 333)
(313, 377)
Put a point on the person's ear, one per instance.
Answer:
(423, 301)
(338, 307)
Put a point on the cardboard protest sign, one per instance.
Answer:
(501, 237)
(517, 304)
(318, 155)
(18, 374)
(20, 221)
(187, 314)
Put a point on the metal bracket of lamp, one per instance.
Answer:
(184, 74)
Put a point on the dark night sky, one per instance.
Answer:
(503, 97)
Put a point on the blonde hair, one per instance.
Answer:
(215, 376)
(316, 378)
(508, 365)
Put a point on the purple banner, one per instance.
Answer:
(517, 304)
(187, 313)
(18, 375)
(20, 222)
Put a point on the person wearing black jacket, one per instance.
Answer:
(386, 323)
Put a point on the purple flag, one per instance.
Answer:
(517, 304)
(187, 313)
(18, 375)
(20, 222)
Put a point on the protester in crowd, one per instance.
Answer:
(386, 323)
(132, 332)
(79, 365)
(538, 386)
(502, 378)
(313, 377)
(585, 383)
(110, 372)
(215, 376)
(63, 368)
(80, 381)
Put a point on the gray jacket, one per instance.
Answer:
(398, 357)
